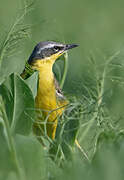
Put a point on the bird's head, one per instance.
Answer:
(48, 51)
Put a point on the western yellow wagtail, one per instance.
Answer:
(50, 99)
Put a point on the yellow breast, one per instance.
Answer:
(46, 99)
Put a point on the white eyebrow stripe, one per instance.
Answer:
(46, 47)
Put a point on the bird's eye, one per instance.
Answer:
(56, 48)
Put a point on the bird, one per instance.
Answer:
(49, 101)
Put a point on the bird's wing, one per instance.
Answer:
(27, 72)
(61, 99)
(59, 92)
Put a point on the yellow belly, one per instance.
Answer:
(46, 105)
(48, 108)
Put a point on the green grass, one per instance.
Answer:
(94, 116)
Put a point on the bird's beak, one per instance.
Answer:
(66, 47)
(70, 46)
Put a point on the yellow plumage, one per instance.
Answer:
(46, 100)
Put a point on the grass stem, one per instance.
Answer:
(65, 70)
